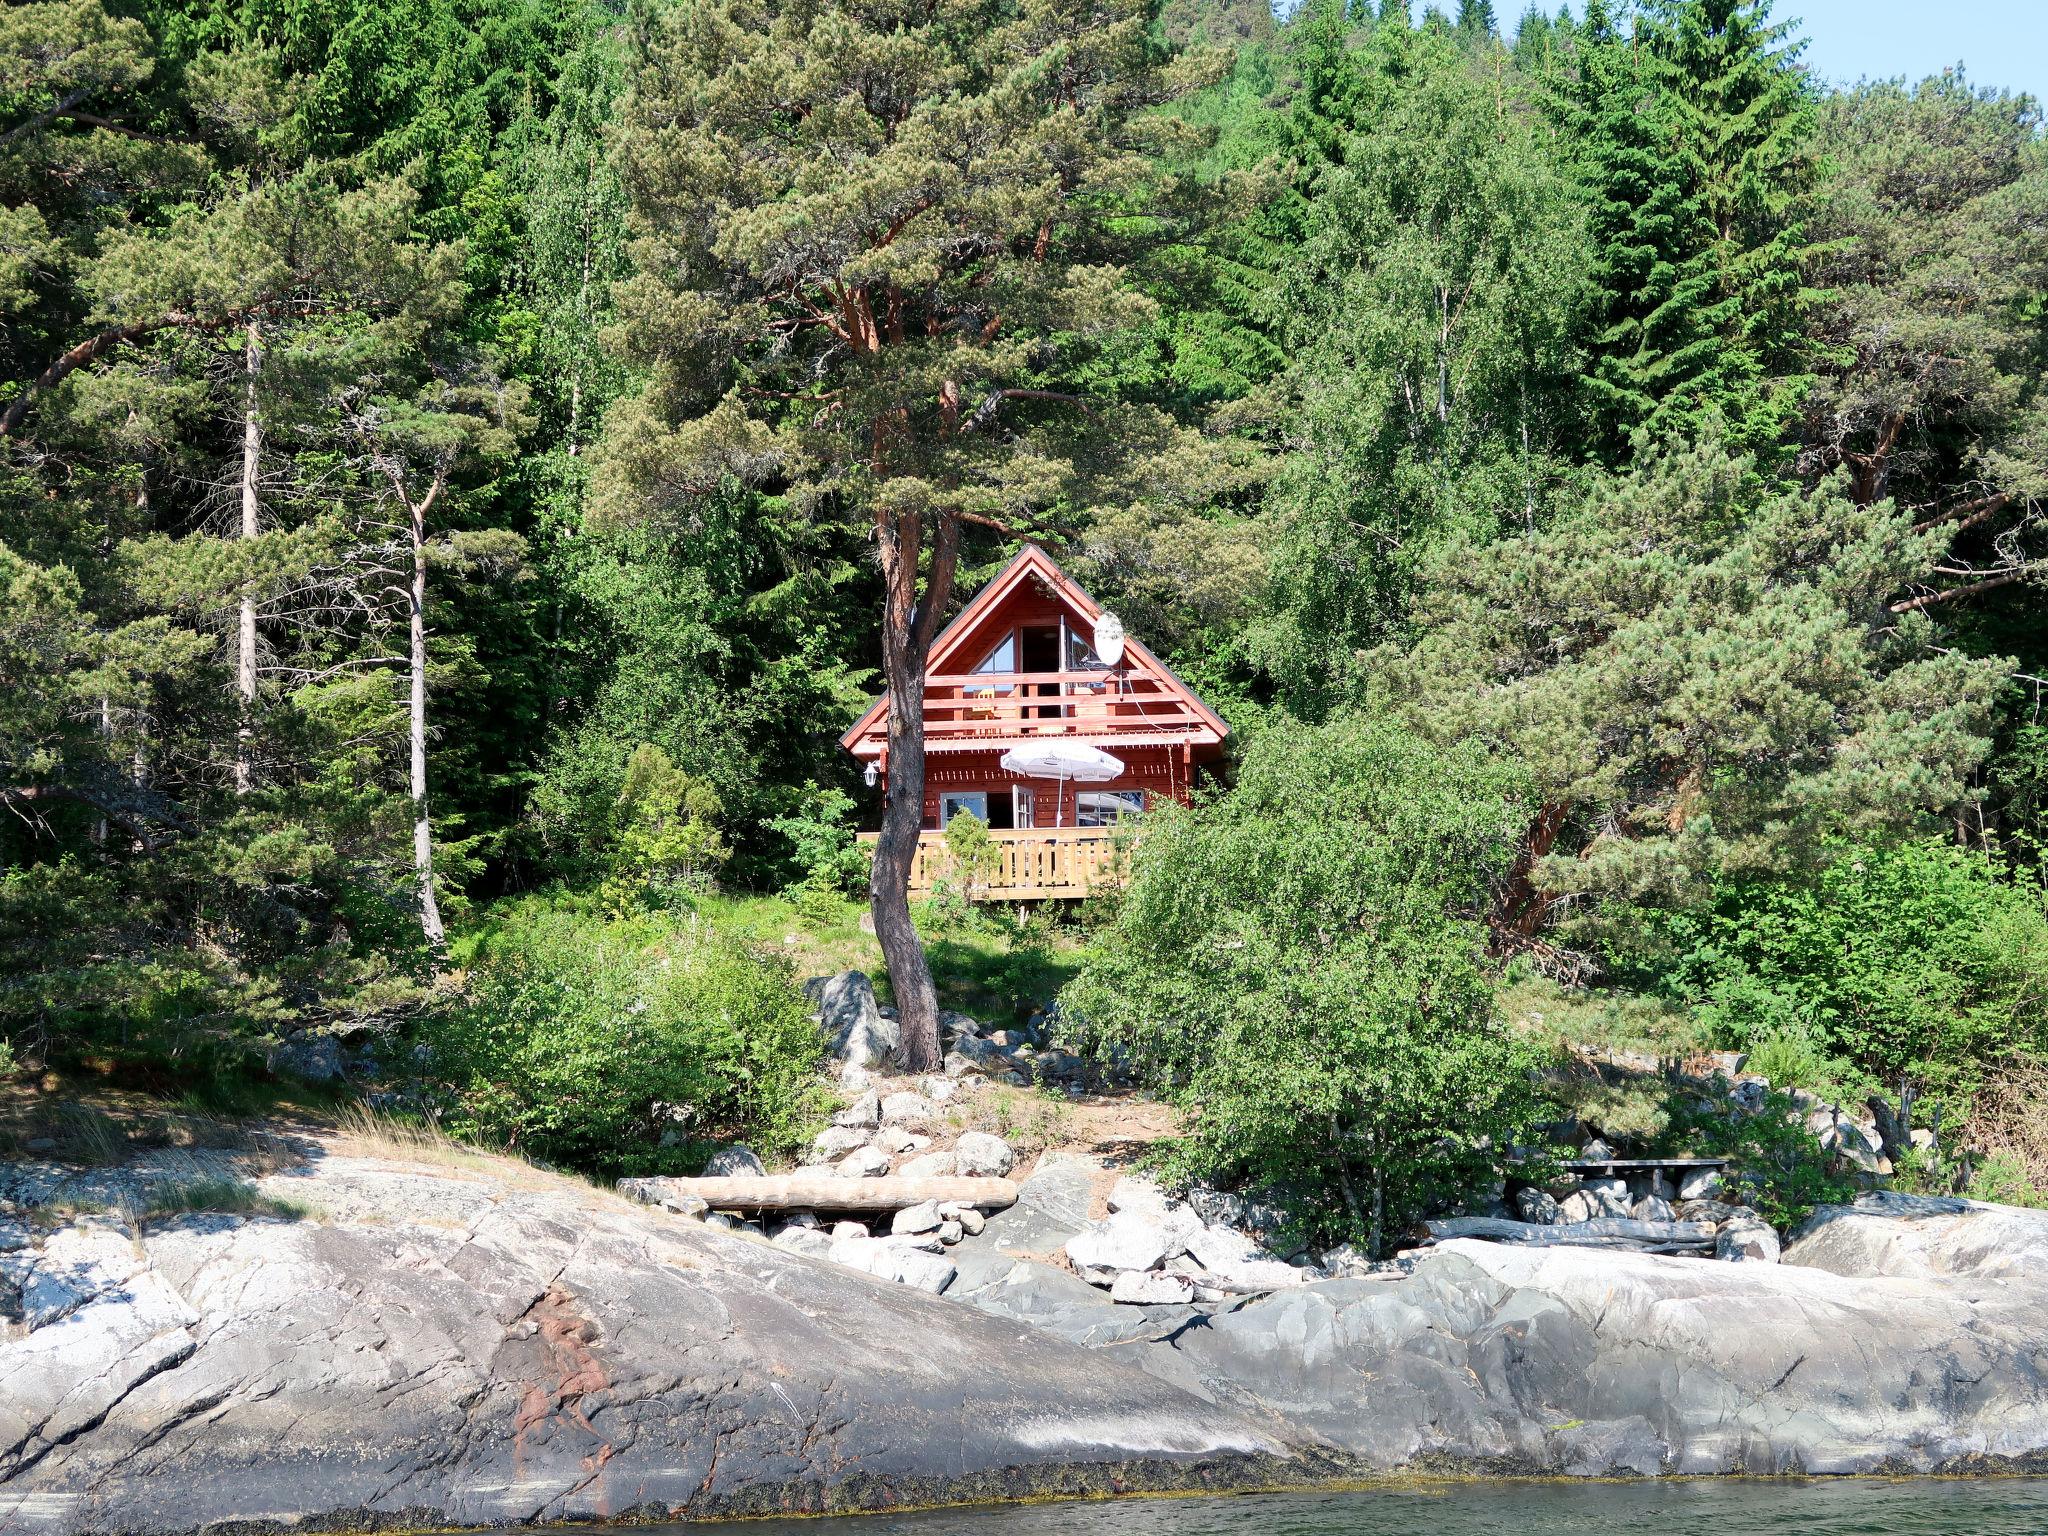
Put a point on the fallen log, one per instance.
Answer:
(822, 1192)
(1601, 1232)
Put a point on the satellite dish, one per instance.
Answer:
(1109, 639)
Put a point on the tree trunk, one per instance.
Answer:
(245, 649)
(422, 826)
(910, 976)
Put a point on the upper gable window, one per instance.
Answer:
(1002, 659)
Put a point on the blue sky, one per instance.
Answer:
(1999, 42)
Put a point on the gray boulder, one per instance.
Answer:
(1700, 1184)
(834, 1142)
(1747, 1242)
(1124, 1241)
(804, 1240)
(860, 1034)
(1924, 1237)
(733, 1162)
(1146, 1290)
(916, 1218)
(863, 1163)
(931, 1165)
(1537, 1206)
(908, 1109)
(902, 1263)
(977, 1154)
(863, 1114)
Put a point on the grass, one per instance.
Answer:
(228, 1196)
(1028, 1119)
(1617, 1021)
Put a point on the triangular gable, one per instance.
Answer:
(1030, 561)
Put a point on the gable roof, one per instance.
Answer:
(1030, 561)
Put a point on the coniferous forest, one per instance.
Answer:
(464, 462)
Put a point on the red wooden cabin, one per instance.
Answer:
(1018, 666)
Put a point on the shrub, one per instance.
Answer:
(626, 1046)
(1912, 959)
(824, 849)
(1296, 965)
(666, 839)
(1776, 1162)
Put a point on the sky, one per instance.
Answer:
(1999, 42)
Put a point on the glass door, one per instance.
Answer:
(1021, 806)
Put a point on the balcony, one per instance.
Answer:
(962, 707)
(1032, 864)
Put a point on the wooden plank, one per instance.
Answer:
(830, 1192)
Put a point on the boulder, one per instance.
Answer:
(1700, 1184)
(1536, 1205)
(923, 1217)
(309, 1056)
(1596, 1151)
(940, 1090)
(1131, 1193)
(890, 1260)
(1653, 1208)
(805, 1240)
(1579, 1206)
(863, 1163)
(971, 1221)
(662, 1192)
(893, 1138)
(863, 1114)
(908, 1109)
(1220, 1248)
(1146, 1290)
(834, 1142)
(932, 1165)
(951, 1232)
(860, 1034)
(1924, 1237)
(977, 1154)
(1747, 1242)
(953, 1024)
(1126, 1240)
(734, 1162)
(842, 1230)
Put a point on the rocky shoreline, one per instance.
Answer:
(455, 1340)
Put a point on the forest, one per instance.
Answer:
(464, 462)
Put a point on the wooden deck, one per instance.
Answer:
(1036, 864)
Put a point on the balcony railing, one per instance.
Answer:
(965, 705)
(1032, 864)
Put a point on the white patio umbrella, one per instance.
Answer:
(1062, 760)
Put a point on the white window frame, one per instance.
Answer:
(1023, 807)
(953, 801)
(1130, 805)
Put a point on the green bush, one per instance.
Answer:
(1296, 966)
(1915, 959)
(626, 1046)
(1777, 1164)
(665, 839)
(824, 848)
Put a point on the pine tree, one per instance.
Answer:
(885, 339)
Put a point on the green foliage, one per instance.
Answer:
(665, 838)
(972, 856)
(1775, 1161)
(1912, 959)
(824, 850)
(1296, 965)
(626, 1046)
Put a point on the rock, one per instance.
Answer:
(957, 1065)
(977, 1154)
(1221, 1208)
(805, 1240)
(311, 1057)
(950, 1231)
(1923, 1237)
(1700, 1184)
(889, 1260)
(908, 1109)
(863, 1163)
(1347, 1259)
(940, 1090)
(1220, 1248)
(861, 1035)
(855, 1079)
(1535, 1205)
(842, 1230)
(1659, 1186)
(1061, 1188)
(1750, 1094)
(1127, 1240)
(801, 1219)
(953, 1024)
(1596, 1151)
(863, 1114)
(971, 1221)
(1922, 1139)
(1747, 1242)
(1146, 1290)
(1653, 1208)
(1006, 1039)
(834, 1142)
(1131, 1193)
(916, 1218)
(662, 1192)
(893, 1138)
(1579, 1206)
(933, 1165)
(735, 1161)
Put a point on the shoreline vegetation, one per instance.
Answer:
(464, 463)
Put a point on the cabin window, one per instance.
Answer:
(1002, 659)
(1023, 806)
(975, 804)
(1107, 807)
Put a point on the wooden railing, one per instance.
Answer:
(1033, 864)
(1010, 704)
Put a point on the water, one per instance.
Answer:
(1852, 1507)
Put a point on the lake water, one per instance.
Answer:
(1852, 1507)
